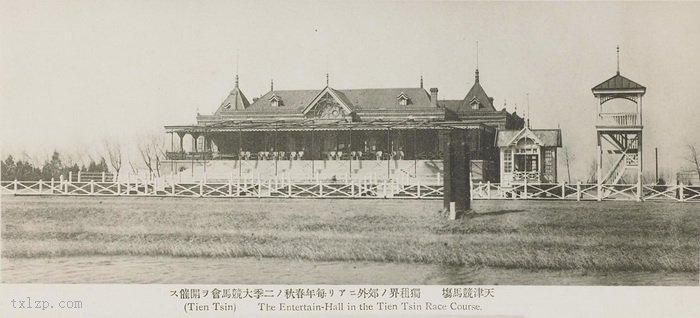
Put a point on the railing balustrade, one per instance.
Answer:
(617, 119)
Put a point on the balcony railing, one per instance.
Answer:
(618, 119)
(530, 176)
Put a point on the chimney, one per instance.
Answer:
(433, 96)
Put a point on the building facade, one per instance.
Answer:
(331, 133)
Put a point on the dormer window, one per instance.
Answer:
(403, 99)
(275, 101)
(475, 104)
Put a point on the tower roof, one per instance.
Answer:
(234, 101)
(619, 83)
(477, 93)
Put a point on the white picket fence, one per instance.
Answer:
(586, 192)
(354, 188)
(256, 188)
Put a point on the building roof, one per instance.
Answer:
(618, 82)
(234, 101)
(548, 137)
(356, 99)
(476, 94)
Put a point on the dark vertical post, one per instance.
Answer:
(276, 156)
(456, 167)
(311, 152)
(415, 153)
(349, 150)
(240, 150)
(172, 150)
(656, 163)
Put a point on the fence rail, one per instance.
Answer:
(368, 188)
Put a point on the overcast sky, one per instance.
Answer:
(75, 72)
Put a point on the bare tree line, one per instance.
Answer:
(149, 152)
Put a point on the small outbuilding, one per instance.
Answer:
(528, 155)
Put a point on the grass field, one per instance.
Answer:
(531, 235)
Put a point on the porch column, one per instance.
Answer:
(276, 156)
(181, 135)
(415, 153)
(311, 152)
(240, 157)
(388, 150)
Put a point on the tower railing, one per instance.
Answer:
(618, 119)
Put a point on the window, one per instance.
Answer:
(403, 99)
(507, 161)
(275, 101)
(475, 104)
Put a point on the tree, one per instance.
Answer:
(114, 155)
(53, 167)
(567, 159)
(9, 168)
(693, 157)
(151, 149)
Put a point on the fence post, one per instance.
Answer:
(230, 186)
(320, 186)
(418, 186)
(119, 188)
(578, 190)
(526, 186)
(201, 188)
(599, 186)
(172, 189)
(52, 185)
(41, 188)
(92, 186)
(563, 190)
(259, 186)
(289, 186)
(103, 176)
(488, 189)
(682, 195)
(639, 189)
(79, 174)
(70, 176)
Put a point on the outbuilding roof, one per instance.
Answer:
(547, 137)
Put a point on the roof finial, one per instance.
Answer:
(236, 68)
(477, 62)
(421, 81)
(618, 60)
(272, 85)
(327, 79)
(527, 95)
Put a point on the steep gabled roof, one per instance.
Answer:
(477, 93)
(618, 82)
(340, 98)
(545, 137)
(234, 101)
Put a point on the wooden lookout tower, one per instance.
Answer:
(619, 129)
